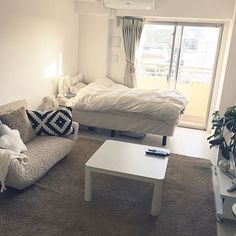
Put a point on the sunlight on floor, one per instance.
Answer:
(189, 142)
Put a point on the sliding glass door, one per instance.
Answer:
(154, 59)
(181, 57)
(196, 70)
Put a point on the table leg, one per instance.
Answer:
(156, 198)
(88, 185)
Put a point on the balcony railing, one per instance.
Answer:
(194, 83)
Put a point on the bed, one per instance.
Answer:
(106, 104)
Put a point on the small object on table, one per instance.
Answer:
(161, 152)
(232, 188)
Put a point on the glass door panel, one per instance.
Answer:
(177, 42)
(195, 71)
(182, 57)
(154, 56)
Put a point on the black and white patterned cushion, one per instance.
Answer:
(57, 122)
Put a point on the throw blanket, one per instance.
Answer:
(105, 95)
(6, 156)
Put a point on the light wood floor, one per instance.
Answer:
(189, 142)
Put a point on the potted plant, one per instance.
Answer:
(224, 137)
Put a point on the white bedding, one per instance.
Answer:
(105, 95)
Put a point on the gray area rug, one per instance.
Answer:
(55, 204)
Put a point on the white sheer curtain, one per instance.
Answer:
(132, 30)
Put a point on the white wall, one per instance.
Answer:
(205, 9)
(117, 69)
(228, 93)
(38, 41)
(201, 9)
(220, 71)
(93, 31)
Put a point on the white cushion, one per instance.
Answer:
(68, 81)
(76, 78)
(10, 139)
(76, 88)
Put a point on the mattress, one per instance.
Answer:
(162, 104)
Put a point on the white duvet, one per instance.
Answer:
(105, 95)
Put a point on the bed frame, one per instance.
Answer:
(163, 143)
(124, 121)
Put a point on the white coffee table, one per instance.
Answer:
(130, 161)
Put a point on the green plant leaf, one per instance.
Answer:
(220, 124)
(231, 124)
(230, 118)
(218, 140)
(225, 152)
(208, 138)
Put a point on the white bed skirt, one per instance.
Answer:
(124, 122)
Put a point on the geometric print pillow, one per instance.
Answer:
(57, 122)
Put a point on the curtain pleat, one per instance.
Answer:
(132, 30)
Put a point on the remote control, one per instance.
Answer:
(159, 150)
(232, 188)
(161, 154)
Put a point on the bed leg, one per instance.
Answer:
(90, 128)
(113, 133)
(164, 139)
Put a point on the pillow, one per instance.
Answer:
(57, 122)
(76, 78)
(18, 119)
(10, 139)
(49, 103)
(64, 84)
(76, 88)
(67, 81)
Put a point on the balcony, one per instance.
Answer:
(193, 82)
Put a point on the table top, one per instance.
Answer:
(128, 158)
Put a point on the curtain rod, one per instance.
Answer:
(118, 18)
(151, 19)
(130, 17)
(184, 23)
